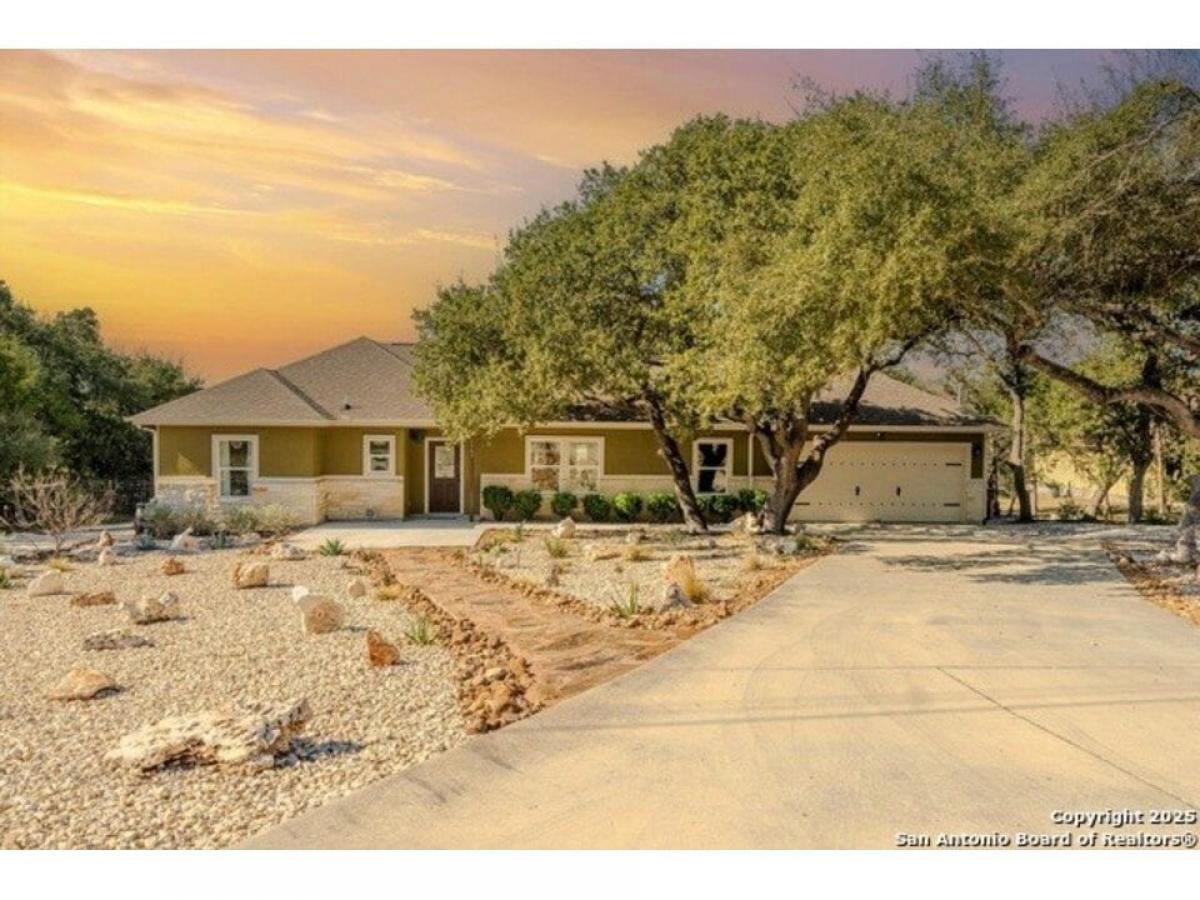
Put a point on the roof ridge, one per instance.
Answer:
(387, 348)
(316, 407)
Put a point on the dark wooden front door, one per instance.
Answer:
(443, 462)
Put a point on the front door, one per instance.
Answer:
(444, 464)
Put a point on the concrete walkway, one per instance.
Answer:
(924, 680)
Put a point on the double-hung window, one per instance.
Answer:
(712, 461)
(236, 463)
(564, 464)
(379, 455)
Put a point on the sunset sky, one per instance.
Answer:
(239, 209)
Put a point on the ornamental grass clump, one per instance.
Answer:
(332, 547)
(557, 548)
(421, 632)
(628, 606)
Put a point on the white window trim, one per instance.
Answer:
(462, 473)
(728, 442)
(562, 465)
(390, 440)
(216, 463)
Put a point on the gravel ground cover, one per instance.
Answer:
(602, 567)
(58, 791)
(1173, 586)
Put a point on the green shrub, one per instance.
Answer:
(629, 605)
(598, 507)
(275, 520)
(526, 504)
(196, 518)
(421, 632)
(718, 507)
(627, 506)
(240, 520)
(145, 541)
(557, 547)
(498, 500)
(331, 547)
(5, 579)
(160, 520)
(563, 503)
(662, 507)
(751, 501)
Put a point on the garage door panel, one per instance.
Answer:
(890, 481)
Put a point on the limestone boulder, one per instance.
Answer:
(599, 552)
(358, 587)
(252, 736)
(320, 614)
(381, 652)
(679, 569)
(299, 592)
(107, 557)
(287, 552)
(105, 540)
(251, 575)
(564, 529)
(115, 639)
(47, 584)
(149, 610)
(635, 537)
(673, 597)
(82, 683)
(96, 598)
(746, 525)
(173, 566)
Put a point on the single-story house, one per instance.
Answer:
(343, 435)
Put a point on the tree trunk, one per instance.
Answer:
(692, 517)
(1186, 549)
(1137, 489)
(1016, 453)
(1099, 498)
(1160, 487)
(783, 456)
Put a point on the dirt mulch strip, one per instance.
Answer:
(549, 645)
(1156, 590)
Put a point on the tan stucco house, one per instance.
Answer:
(343, 435)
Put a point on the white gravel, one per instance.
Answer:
(58, 791)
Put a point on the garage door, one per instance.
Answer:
(888, 481)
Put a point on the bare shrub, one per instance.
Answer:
(55, 503)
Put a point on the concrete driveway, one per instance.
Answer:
(925, 680)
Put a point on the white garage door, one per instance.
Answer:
(888, 481)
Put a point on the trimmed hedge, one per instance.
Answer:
(628, 506)
(663, 507)
(598, 507)
(498, 500)
(526, 504)
(563, 503)
(752, 501)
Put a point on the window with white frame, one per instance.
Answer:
(379, 455)
(564, 464)
(712, 462)
(236, 457)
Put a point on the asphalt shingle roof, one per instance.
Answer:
(365, 381)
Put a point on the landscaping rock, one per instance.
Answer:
(564, 529)
(320, 614)
(46, 585)
(287, 552)
(105, 540)
(746, 524)
(251, 575)
(185, 542)
(98, 598)
(116, 639)
(635, 537)
(107, 557)
(299, 592)
(673, 597)
(598, 552)
(381, 652)
(173, 566)
(82, 683)
(149, 610)
(252, 735)
(358, 587)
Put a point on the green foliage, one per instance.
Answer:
(498, 500)
(557, 548)
(1070, 511)
(65, 395)
(719, 507)
(421, 632)
(628, 606)
(563, 503)
(145, 541)
(662, 507)
(159, 520)
(331, 547)
(241, 519)
(751, 500)
(526, 504)
(628, 506)
(275, 520)
(5, 579)
(597, 507)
